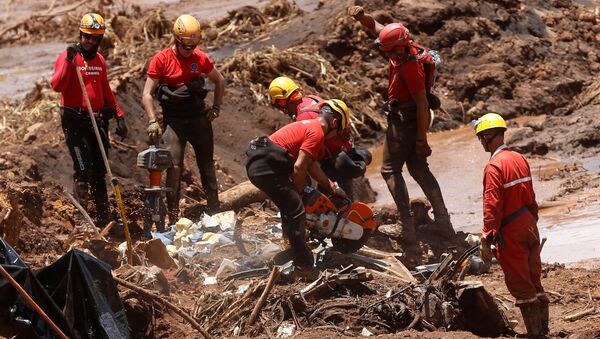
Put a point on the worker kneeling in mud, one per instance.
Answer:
(278, 165)
(88, 165)
(342, 162)
(175, 75)
(510, 215)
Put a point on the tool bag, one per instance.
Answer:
(266, 157)
(185, 101)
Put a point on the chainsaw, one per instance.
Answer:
(349, 226)
(155, 160)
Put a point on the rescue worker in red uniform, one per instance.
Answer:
(342, 162)
(278, 165)
(88, 165)
(408, 122)
(175, 77)
(510, 215)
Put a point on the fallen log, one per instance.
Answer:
(240, 195)
(168, 304)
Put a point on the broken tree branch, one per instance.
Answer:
(86, 216)
(264, 295)
(579, 315)
(168, 304)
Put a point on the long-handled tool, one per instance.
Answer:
(31, 303)
(113, 180)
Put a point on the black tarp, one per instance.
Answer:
(77, 292)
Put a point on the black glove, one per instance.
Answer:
(71, 52)
(121, 128)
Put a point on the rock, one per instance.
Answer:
(157, 254)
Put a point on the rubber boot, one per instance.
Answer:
(532, 319)
(444, 225)
(403, 230)
(545, 316)
(172, 182)
(101, 201)
(303, 256)
(208, 176)
(397, 187)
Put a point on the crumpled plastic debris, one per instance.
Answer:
(286, 329)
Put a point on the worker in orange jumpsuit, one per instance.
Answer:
(510, 215)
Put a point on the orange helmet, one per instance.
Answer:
(92, 23)
(187, 30)
(393, 35)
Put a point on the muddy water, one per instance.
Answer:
(458, 161)
(22, 66)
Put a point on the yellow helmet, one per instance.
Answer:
(187, 30)
(340, 107)
(488, 121)
(92, 23)
(281, 88)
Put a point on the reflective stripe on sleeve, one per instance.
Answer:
(518, 181)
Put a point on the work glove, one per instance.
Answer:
(422, 149)
(121, 128)
(485, 249)
(154, 131)
(213, 113)
(71, 52)
(338, 191)
(356, 12)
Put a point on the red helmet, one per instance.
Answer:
(393, 35)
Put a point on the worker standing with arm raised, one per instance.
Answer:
(408, 122)
(175, 77)
(89, 170)
(510, 215)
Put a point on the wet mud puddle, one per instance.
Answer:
(458, 161)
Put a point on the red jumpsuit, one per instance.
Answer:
(508, 196)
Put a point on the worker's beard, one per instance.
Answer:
(90, 53)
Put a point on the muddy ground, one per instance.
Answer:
(518, 58)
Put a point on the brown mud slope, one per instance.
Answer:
(513, 57)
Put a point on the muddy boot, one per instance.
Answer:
(296, 229)
(545, 316)
(208, 176)
(532, 319)
(172, 196)
(444, 225)
(403, 230)
(101, 201)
